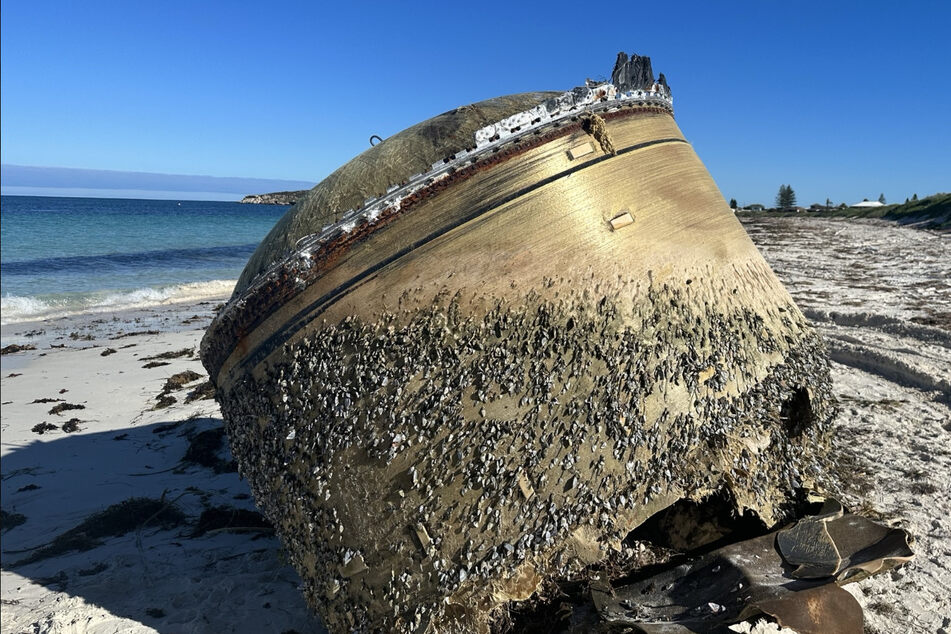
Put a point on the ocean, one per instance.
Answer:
(61, 256)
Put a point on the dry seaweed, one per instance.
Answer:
(203, 450)
(13, 347)
(10, 520)
(203, 392)
(135, 333)
(165, 400)
(42, 428)
(107, 352)
(72, 425)
(174, 354)
(178, 381)
(154, 364)
(62, 407)
(228, 517)
(95, 570)
(115, 521)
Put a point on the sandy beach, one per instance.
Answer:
(167, 574)
(112, 407)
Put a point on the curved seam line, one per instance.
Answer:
(326, 300)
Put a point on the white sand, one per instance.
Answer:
(881, 297)
(222, 582)
(890, 334)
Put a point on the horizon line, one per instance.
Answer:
(33, 176)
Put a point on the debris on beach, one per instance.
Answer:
(164, 400)
(65, 407)
(116, 520)
(204, 449)
(792, 575)
(468, 365)
(172, 384)
(14, 347)
(133, 333)
(172, 354)
(41, 428)
(179, 380)
(205, 391)
(10, 520)
(229, 518)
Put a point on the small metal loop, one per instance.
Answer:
(375, 136)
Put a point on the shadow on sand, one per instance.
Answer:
(149, 523)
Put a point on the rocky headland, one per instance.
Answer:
(275, 198)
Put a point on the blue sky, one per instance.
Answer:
(844, 100)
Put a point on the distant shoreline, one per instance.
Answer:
(931, 212)
(275, 198)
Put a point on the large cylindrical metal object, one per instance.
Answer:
(441, 402)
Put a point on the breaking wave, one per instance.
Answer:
(15, 309)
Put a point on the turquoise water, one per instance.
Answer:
(67, 255)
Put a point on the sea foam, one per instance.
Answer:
(16, 309)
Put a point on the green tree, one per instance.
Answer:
(914, 197)
(733, 203)
(881, 198)
(786, 197)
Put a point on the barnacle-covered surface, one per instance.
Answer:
(495, 383)
(463, 456)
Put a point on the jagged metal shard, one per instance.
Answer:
(763, 575)
(480, 353)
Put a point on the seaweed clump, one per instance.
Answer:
(63, 407)
(179, 380)
(10, 520)
(219, 518)
(203, 450)
(114, 521)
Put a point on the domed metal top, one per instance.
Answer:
(393, 161)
